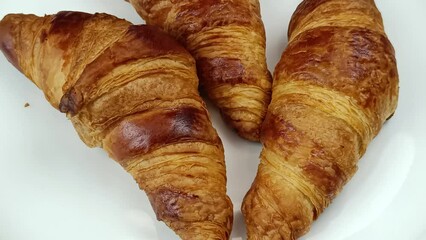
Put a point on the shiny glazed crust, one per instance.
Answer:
(227, 39)
(334, 87)
(131, 90)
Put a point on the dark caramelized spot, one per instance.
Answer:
(155, 41)
(219, 71)
(276, 130)
(326, 175)
(168, 203)
(148, 131)
(6, 42)
(71, 102)
(43, 36)
(139, 42)
(67, 25)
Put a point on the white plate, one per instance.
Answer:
(53, 187)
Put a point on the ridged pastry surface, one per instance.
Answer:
(133, 91)
(334, 87)
(227, 39)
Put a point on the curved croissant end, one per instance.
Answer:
(334, 87)
(132, 90)
(227, 39)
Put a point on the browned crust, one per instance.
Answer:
(211, 14)
(227, 39)
(145, 132)
(133, 91)
(166, 202)
(313, 155)
(303, 9)
(348, 60)
(221, 71)
(68, 25)
(203, 15)
(7, 45)
(139, 42)
(334, 87)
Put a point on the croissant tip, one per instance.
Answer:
(245, 129)
(70, 102)
(6, 40)
(390, 116)
(251, 136)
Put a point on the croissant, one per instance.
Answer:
(334, 87)
(133, 91)
(227, 39)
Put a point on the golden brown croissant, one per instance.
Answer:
(227, 39)
(334, 87)
(131, 90)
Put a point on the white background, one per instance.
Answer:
(53, 187)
